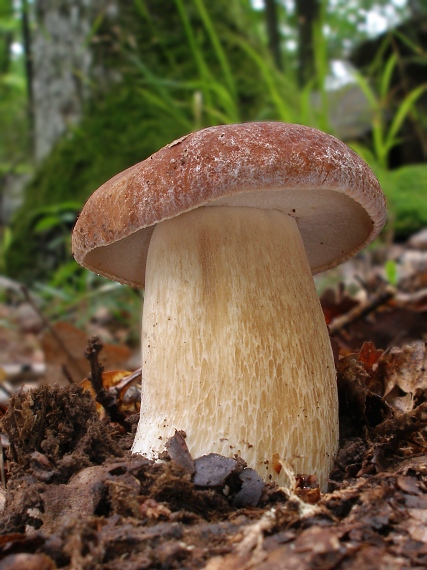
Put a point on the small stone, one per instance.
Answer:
(212, 470)
(27, 562)
(177, 450)
(419, 240)
(251, 491)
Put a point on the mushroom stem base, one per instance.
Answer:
(235, 347)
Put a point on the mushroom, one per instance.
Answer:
(224, 229)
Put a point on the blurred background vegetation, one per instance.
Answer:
(90, 87)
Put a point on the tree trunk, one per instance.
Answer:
(307, 14)
(26, 41)
(273, 32)
(6, 37)
(80, 48)
(65, 62)
(417, 8)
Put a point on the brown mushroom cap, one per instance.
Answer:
(330, 191)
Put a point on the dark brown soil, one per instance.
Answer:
(76, 498)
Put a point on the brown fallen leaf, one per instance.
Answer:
(128, 400)
(336, 303)
(406, 375)
(19, 348)
(28, 562)
(69, 351)
(307, 488)
(79, 498)
(369, 355)
(177, 449)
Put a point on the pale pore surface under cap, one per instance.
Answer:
(332, 225)
(235, 346)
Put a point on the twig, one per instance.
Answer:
(415, 300)
(2, 473)
(127, 381)
(67, 374)
(362, 310)
(107, 399)
(93, 348)
(23, 372)
(52, 330)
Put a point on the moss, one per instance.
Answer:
(128, 123)
(113, 135)
(405, 189)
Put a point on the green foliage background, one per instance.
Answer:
(196, 64)
(169, 88)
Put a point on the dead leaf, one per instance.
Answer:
(336, 303)
(369, 355)
(417, 525)
(17, 347)
(66, 347)
(27, 561)
(407, 368)
(177, 449)
(213, 469)
(111, 379)
(80, 497)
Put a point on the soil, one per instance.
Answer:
(76, 497)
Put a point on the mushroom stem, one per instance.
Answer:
(235, 347)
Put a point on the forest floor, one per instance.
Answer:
(74, 497)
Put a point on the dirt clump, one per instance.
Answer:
(77, 498)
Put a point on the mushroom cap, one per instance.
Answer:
(330, 191)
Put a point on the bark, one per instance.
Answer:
(66, 59)
(273, 32)
(5, 45)
(81, 47)
(417, 8)
(307, 14)
(26, 40)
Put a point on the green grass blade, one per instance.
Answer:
(378, 120)
(404, 109)
(192, 42)
(387, 76)
(203, 69)
(321, 63)
(284, 112)
(416, 48)
(216, 44)
(368, 91)
(168, 106)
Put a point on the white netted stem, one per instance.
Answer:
(235, 348)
